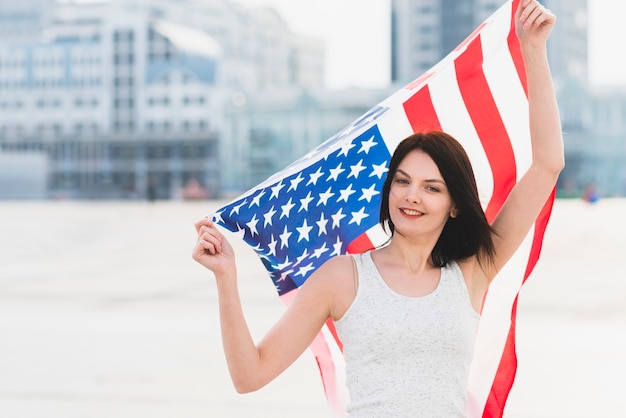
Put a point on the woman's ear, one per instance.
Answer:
(454, 213)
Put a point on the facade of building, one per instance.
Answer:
(568, 47)
(605, 150)
(594, 131)
(24, 21)
(126, 98)
(269, 131)
(424, 31)
(138, 98)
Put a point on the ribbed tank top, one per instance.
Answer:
(407, 356)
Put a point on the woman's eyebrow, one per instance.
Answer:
(404, 173)
(437, 180)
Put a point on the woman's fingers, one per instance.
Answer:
(208, 247)
(212, 249)
(534, 22)
(536, 17)
(211, 239)
(206, 221)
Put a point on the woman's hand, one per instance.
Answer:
(212, 250)
(533, 23)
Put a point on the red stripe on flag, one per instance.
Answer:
(505, 375)
(331, 327)
(515, 50)
(361, 244)
(540, 228)
(485, 115)
(327, 368)
(421, 113)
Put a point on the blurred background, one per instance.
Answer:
(184, 99)
(124, 121)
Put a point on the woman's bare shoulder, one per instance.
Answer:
(336, 278)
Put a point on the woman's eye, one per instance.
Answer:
(402, 181)
(432, 189)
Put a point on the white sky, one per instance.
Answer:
(356, 33)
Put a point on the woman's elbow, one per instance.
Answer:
(561, 163)
(553, 171)
(553, 165)
(557, 166)
(243, 388)
(246, 385)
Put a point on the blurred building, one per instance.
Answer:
(594, 120)
(606, 151)
(270, 131)
(127, 98)
(594, 132)
(24, 20)
(425, 31)
(156, 98)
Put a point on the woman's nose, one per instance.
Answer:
(413, 195)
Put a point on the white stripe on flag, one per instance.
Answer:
(377, 235)
(494, 325)
(394, 125)
(455, 120)
(507, 91)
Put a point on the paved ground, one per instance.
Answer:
(104, 314)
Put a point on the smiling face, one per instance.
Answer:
(430, 180)
(419, 201)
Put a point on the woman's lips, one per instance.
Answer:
(411, 212)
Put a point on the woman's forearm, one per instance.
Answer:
(240, 350)
(545, 122)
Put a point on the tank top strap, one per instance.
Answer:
(367, 273)
(455, 285)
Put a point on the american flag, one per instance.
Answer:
(327, 202)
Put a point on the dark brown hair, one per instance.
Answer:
(469, 233)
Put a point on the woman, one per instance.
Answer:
(427, 282)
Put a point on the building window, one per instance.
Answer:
(194, 151)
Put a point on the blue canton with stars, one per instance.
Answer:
(297, 223)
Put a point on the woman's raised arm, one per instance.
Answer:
(534, 24)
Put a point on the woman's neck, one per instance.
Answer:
(416, 257)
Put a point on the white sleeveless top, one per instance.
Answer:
(407, 356)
